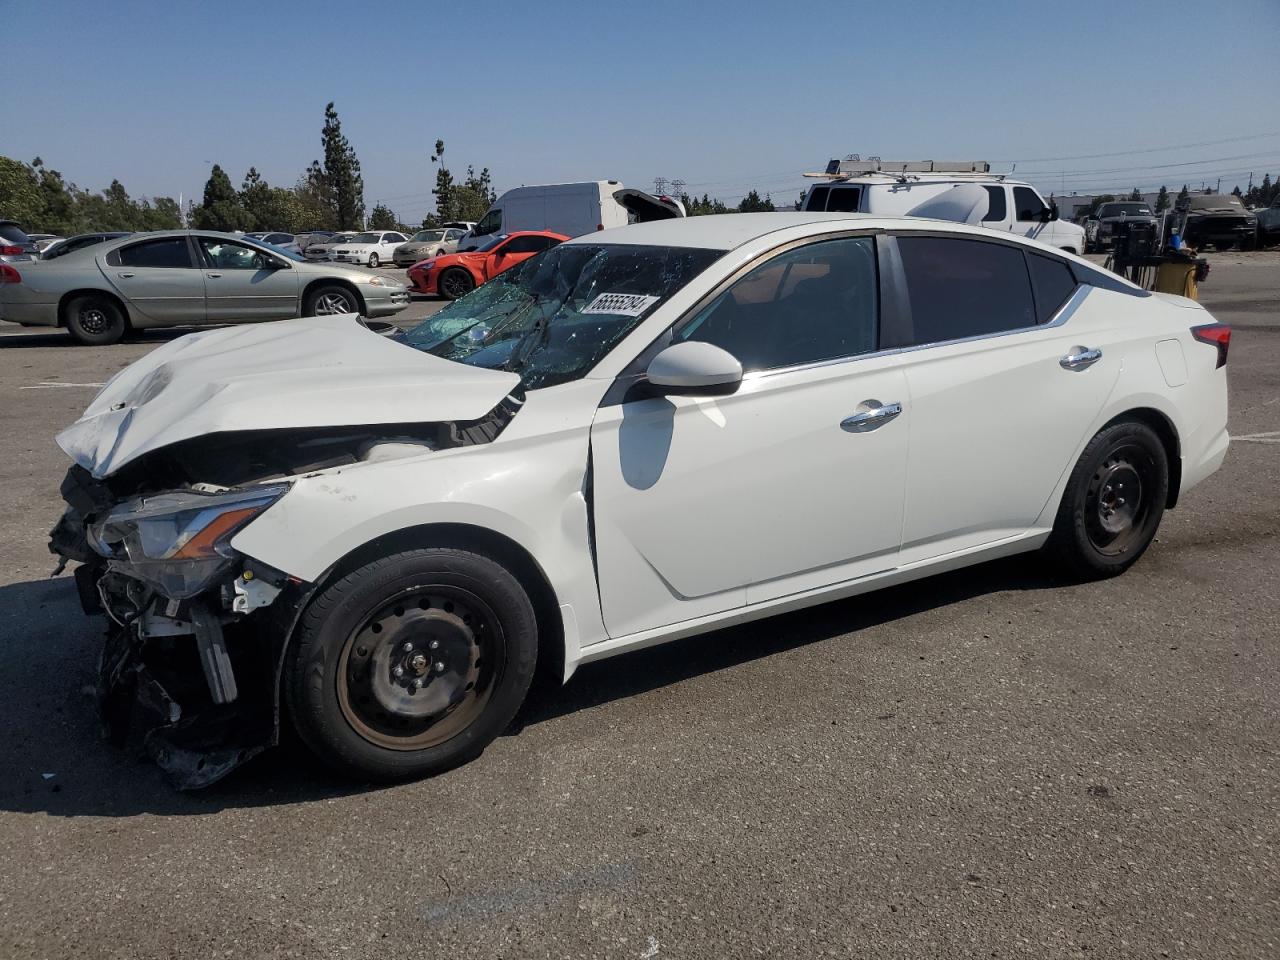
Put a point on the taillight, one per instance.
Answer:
(8, 274)
(11, 251)
(1216, 335)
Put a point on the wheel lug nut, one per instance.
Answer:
(408, 647)
(435, 644)
(398, 671)
(1120, 501)
(419, 683)
(439, 666)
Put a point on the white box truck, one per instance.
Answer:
(570, 208)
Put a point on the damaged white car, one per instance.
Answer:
(642, 434)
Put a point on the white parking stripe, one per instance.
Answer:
(53, 384)
(1271, 436)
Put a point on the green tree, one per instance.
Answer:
(445, 187)
(1135, 194)
(383, 219)
(255, 197)
(344, 185)
(221, 208)
(20, 197)
(752, 203)
(1162, 199)
(473, 197)
(1183, 196)
(1099, 201)
(698, 208)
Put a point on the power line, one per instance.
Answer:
(1129, 153)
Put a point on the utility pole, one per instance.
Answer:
(659, 185)
(677, 187)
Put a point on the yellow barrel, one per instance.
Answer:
(1179, 278)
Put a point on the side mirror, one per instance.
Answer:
(1048, 216)
(695, 369)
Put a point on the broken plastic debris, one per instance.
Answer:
(48, 776)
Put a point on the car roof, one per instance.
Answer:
(726, 231)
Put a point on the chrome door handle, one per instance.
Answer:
(871, 414)
(124, 276)
(1078, 358)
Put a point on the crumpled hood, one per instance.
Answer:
(314, 372)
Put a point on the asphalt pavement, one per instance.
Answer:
(986, 763)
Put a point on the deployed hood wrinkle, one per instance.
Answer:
(309, 373)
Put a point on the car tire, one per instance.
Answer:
(447, 702)
(454, 283)
(374, 261)
(330, 301)
(95, 321)
(1112, 504)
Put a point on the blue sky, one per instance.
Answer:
(727, 96)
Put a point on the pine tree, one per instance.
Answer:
(1184, 195)
(344, 185)
(1162, 199)
(445, 187)
(1135, 194)
(255, 197)
(752, 203)
(221, 208)
(382, 218)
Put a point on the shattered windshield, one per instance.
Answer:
(555, 316)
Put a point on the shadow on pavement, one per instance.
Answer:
(48, 657)
(17, 338)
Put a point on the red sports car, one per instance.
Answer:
(454, 274)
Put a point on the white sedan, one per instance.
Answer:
(643, 434)
(372, 248)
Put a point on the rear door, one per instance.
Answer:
(996, 413)
(244, 283)
(159, 278)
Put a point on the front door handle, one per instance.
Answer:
(124, 276)
(214, 276)
(1078, 358)
(871, 415)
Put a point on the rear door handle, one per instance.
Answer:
(124, 276)
(1078, 358)
(213, 276)
(871, 415)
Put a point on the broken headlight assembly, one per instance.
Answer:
(179, 543)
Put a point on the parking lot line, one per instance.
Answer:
(53, 384)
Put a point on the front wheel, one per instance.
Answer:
(454, 283)
(330, 301)
(412, 664)
(373, 260)
(1113, 502)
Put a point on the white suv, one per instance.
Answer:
(896, 189)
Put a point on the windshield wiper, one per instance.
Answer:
(519, 353)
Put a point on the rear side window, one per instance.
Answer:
(844, 200)
(960, 288)
(170, 252)
(817, 199)
(1052, 281)
(997, 209)
(12, 233)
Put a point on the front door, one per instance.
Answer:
(243, 283)
(792, 483)
(996, 416)
(158, 279)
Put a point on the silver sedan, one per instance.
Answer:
(185, 277)
(426, 244)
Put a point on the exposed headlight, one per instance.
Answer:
(179, 542)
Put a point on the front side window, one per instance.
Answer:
(225, 255)
(555, 316)
(817, 198)
(1028, 203)
(526, 245)
(491, 223)
(844, 200)
(960, 288)
(816, 302)
(997, 209)
(170, 252)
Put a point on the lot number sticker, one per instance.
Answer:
(621, 304)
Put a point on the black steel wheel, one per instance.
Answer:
(95, 321)
(455, 282)
(412, 664)
(1113, 502)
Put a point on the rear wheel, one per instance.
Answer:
(373, 260)
(330, 301)
(412, 664)
(95, 321)
(1113, 502)
(455, 282)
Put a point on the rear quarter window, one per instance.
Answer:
(1052, 281)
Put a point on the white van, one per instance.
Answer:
(895, 189)
(570, 208)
